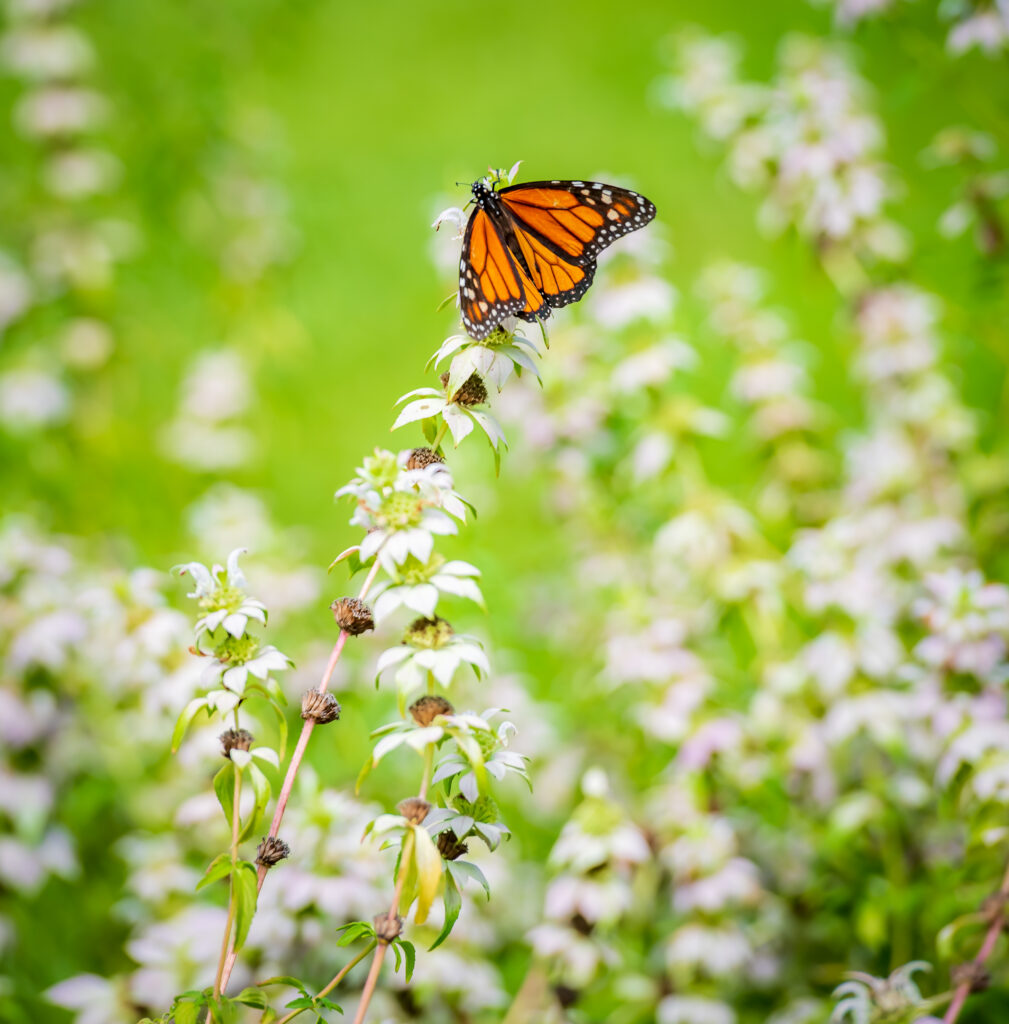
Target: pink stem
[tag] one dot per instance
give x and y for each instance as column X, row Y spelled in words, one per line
column 299, row 753
column 369, row 985
column 987, row 947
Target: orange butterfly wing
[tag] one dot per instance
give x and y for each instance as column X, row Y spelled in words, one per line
column 491, row 284
column 559, row 282
column 575, row 220
column 534, row 247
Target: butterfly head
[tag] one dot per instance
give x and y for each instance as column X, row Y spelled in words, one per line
column 482, row 192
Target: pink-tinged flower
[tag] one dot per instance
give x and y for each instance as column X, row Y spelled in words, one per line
column 987, row 30
column 696, row 948
column 92, row 999
column 968, row 622
column 708, row 739
column 684, row 1009
column 736, row 883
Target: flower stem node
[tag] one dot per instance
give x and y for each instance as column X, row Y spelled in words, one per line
column 994, row 906
column 427, row 708
column 970, row 973
column 430, row 634
column 272, row 850
column 352, row 615
column 319, row 707
column 472, row 391
column 414, row 809
column 421, row 458
column 388, row 929
column 235, row 739
column 450, row 846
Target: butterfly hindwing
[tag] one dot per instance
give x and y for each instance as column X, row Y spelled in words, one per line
column 575, row 219
column 557, row 280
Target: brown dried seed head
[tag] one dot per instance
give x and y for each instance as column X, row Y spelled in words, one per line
column 414, row 809
column 426, row 709
column 387, row 930
column 970, row 973
column 352, row 615
column 420, row 458
column 472, row 391
column 320, row 707
column 235, row 739
column 271, row 851
column 450, row 846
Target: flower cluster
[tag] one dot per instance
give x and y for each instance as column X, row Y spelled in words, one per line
column 808, row 141
column 73, row 244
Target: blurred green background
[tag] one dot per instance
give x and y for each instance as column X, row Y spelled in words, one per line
column 376, row 113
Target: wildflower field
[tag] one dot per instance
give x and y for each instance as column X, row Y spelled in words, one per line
column 646, row 663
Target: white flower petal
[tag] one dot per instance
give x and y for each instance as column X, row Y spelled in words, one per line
column 422, row 598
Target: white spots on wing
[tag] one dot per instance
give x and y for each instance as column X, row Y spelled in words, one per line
column 613, row 215
column 483, row 306
column 578, row 184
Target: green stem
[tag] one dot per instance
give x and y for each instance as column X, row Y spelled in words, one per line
column 235, row 830
column 340, row 975
column 440, row 436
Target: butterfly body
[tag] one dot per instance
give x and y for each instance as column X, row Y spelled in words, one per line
column 532, row 247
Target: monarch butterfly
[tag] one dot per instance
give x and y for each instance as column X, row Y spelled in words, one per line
column 532, row 247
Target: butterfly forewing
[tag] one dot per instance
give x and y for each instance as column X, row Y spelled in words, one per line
column 576, row 219
column 490, row 287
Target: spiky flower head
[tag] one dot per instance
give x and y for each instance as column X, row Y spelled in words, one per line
column 414, row 809
column 388, row 929
column 472, row 391
column 429, row 634
column 450, row 846
column 427, row 708
column 235, row 739
column 272, row 850
column 421, row 458
column 352, row 615
column 320, row 707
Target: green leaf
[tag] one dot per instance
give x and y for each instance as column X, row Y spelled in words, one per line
column 286, row 979
column 252, row 997
column 189, row 712
column 945, row 939
column 363, row 774
column 353, row 931
column 220, row 867
column 304, row 1003
column 186, row 1013
column 244, row 883
column 409, row 957
column 263, row 790
column 327, row 1004
column 430, row 428
column 428, row 862
column 224, row 787
column 453, row 904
